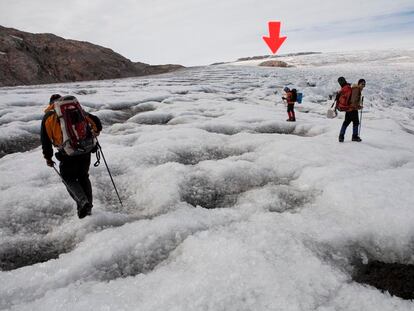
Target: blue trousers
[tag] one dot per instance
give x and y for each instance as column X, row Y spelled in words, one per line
column 350, row 116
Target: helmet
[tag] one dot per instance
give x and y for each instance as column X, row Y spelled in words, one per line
column 286, row 89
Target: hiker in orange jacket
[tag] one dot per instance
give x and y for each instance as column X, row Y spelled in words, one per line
column 74, row 169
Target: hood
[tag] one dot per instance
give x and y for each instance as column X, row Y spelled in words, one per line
column 50, row 107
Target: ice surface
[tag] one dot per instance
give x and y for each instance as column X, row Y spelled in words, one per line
column 226, row 205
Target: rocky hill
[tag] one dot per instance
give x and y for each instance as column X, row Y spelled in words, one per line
column 27, row 58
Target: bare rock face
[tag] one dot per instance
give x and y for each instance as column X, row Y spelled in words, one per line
column 274, row 63
column 27, row 58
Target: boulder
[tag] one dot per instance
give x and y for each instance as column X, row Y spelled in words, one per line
column 274, row 63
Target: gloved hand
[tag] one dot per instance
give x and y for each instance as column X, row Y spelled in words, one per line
column 94, row 149
column 50, row 162
column 283, row 98
column 96, row 134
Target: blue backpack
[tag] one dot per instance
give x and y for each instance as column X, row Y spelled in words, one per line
column 299, row 98
column 296, row 97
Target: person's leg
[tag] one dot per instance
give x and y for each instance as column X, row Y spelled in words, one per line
column 69, row 169
column 293, row 113
column 345, row 124
column 355, row 126
column 83, row 178
column 85, row 183
column 86, row 208
column 290, row 112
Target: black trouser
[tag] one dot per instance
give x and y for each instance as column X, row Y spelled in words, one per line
column 350, row 116
column 291, row 111
column 74, row 171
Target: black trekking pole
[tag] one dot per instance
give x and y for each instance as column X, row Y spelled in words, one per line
column 109, row 172
column 360, row 119
column 67, row 186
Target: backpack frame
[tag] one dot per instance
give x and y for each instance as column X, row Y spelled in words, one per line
column 294, row 95
column 77, row 135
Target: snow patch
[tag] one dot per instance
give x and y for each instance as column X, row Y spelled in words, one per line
column 151, row 118
column 17, row 38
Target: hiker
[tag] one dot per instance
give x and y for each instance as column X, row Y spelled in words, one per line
column 349, row 100
column 290, row 99
column 74, row 163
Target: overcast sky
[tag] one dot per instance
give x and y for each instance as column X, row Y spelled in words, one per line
column 199, row 32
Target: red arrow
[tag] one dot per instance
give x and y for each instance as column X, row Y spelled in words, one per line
column 274, row 41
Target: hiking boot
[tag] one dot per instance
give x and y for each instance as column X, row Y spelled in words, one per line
column 85, row 210
column 356, row 138
column 88, row 210
column 341, row 138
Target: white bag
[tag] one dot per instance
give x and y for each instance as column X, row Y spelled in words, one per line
column 331, row 113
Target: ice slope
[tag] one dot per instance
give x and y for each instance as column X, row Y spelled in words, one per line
column 226, row 205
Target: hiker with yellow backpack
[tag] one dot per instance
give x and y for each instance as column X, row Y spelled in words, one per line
column 73, row 132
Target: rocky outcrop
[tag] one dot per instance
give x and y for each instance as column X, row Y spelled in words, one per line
column 273, row 63
column 27, row 58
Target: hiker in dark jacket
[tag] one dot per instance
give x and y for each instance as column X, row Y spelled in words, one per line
column 353, row 100
column 289, row 97
column 73, row 169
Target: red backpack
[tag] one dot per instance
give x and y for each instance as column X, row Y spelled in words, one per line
column 77, row 136
column 344, row 99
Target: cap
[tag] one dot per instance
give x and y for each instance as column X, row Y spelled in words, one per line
column 54, row 97
column 342, row 81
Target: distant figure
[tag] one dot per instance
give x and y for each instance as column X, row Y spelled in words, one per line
column 72, row 131
column 349, row 100
column 290, row 98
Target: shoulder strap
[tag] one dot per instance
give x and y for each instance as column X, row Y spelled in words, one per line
column 49, row 113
